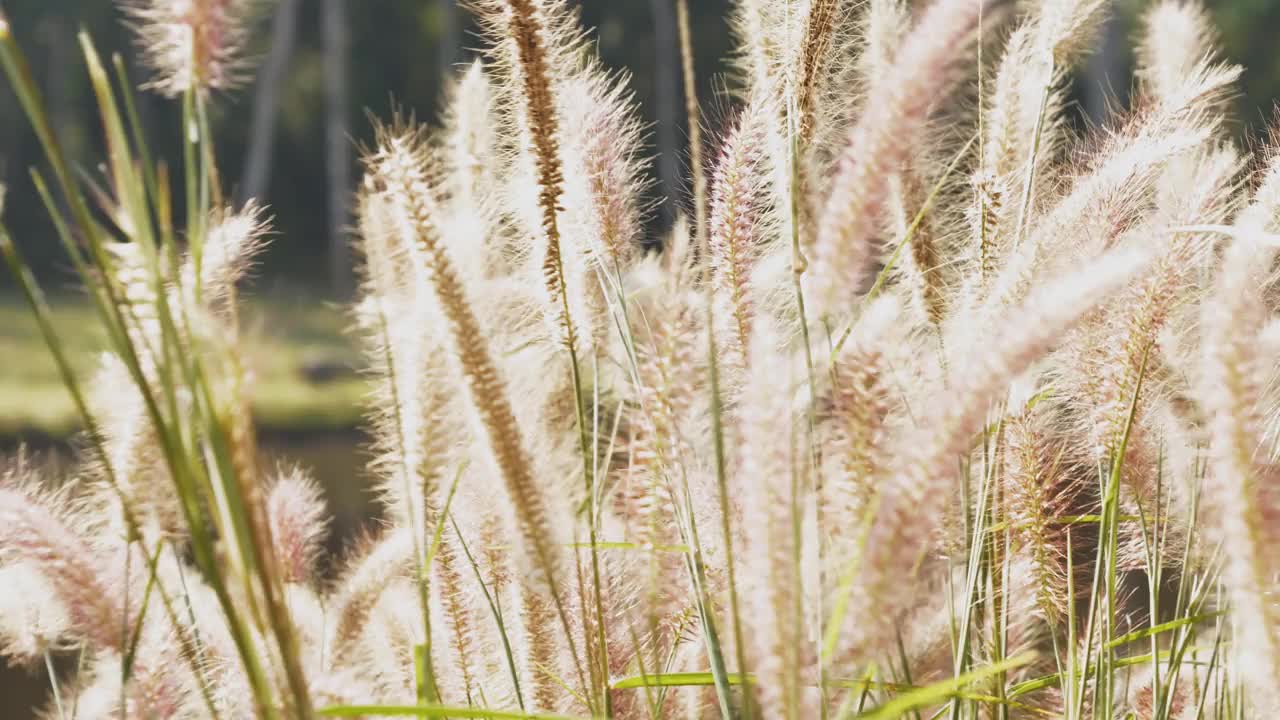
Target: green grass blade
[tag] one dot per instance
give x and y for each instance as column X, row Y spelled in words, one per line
column 496, row 610
column 677, row 679
column 925, row 207
column 722, row 495
column 1164, row 627
column 435, row 711
column 136, row 633
column 945, row 690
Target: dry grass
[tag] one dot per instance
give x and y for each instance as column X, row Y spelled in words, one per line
column 931, row 408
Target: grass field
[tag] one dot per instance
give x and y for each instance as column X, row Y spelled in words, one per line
column 305, row 337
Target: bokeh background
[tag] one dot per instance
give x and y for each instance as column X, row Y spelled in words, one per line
column 291, row 137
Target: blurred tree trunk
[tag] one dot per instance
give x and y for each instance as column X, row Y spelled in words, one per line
column 257, row 163
column 1106, row 75
column 666, row 87
column 449, row 44
column 337, row 150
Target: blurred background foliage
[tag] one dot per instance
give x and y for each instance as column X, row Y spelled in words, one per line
column 397, row 53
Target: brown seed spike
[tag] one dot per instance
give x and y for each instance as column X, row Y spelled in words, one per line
column 527, row 29
column 398, row 162
column 817, row 40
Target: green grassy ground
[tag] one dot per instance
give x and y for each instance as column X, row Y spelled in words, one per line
column 286, row 336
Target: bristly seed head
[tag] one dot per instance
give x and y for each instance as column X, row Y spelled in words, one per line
column 193, row 45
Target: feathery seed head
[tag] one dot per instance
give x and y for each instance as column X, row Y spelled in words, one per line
column 405, row 333
column 741, row 225
column 193, row 45
column 924, row 68
column 398, row 169
column 142, row 484
column 474, row 165
column 536, row 57
column 824, row 64
column 1117, row 352
column 35, row 531
column 378, row 565
column 764, row 31
column 1263, row 210
column 1242, row 489
column 33, row 619
column 230, row 244
column 884, row 26
column 1178, row 37
column 915, row 487
column 297, row 513
column 1066, row 28
column 1039, row 488
column 855, row 418
column 601, row 208
column 772, row 483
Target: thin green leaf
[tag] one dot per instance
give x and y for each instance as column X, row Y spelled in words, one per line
column 434, row 711
column 941, row 691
